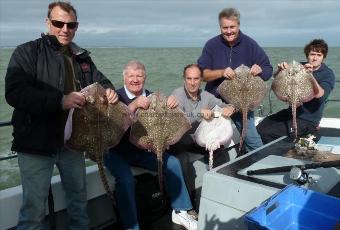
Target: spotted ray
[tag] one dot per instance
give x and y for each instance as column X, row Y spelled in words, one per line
column 294, row 86
column 245, row 92
column 158, row 127
column 213, row 133
column 98, row 126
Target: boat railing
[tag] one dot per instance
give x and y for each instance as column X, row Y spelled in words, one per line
column 12, row 154
column 50, row 198
column 260, row 112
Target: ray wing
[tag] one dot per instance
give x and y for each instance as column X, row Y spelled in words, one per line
column 294, row 86
column 245, row 92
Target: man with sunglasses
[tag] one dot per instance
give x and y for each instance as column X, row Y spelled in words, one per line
column 43, row 81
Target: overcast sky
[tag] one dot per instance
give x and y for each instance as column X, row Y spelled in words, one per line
column 176, row 23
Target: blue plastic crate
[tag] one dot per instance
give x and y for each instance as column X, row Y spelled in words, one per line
column 296, row 208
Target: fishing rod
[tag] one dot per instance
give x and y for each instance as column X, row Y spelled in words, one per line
column 296, row 172
column 326, row 164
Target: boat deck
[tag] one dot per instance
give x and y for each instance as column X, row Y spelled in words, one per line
column 229, row 193
column 101, row 210
column 280, row 148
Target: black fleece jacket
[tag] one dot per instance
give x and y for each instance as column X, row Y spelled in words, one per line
column 34, row 86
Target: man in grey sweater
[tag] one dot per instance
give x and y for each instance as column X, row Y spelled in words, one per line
column 197, row 104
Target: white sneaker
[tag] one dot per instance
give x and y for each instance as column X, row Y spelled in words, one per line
column 184, row 219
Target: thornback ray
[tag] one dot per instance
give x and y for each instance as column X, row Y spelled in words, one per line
column 213, row 133
column 295, row 86
column 245, row 92
column 98, row 126
column 158, row 127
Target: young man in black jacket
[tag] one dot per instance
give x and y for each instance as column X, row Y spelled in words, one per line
column 42, row 83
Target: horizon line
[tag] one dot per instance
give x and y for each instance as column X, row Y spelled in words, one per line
column 150, row 47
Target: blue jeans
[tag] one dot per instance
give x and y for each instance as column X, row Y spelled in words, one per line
column 252, row 139
column 36, row 172
column 119, row 165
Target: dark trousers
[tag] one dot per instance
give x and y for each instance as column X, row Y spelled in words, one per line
column 280, row 124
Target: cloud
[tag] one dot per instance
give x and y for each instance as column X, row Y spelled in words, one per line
column 176, row 22
column 137, row 29
column 96, row 30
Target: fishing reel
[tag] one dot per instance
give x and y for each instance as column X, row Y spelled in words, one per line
column 300, row 176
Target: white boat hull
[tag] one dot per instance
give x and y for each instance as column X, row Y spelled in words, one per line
column 100, row 210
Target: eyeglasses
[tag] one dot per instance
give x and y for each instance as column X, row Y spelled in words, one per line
column 60, row 24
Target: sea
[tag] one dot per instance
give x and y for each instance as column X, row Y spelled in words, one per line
column 164, row 68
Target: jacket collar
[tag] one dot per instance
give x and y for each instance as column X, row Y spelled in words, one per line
column 238, row 40
column 53, row 42
column 189, row 97
column 131, row 95
column 321, row 68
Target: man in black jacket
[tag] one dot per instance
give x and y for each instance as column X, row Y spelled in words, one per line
column 42, row 83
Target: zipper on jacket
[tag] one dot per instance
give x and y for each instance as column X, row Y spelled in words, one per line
column 62, row 67
column 231, row 52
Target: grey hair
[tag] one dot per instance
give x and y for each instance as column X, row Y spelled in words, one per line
column 230, row 13
column 134, row 64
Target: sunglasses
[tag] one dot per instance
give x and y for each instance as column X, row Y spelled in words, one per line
column 60, row 24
